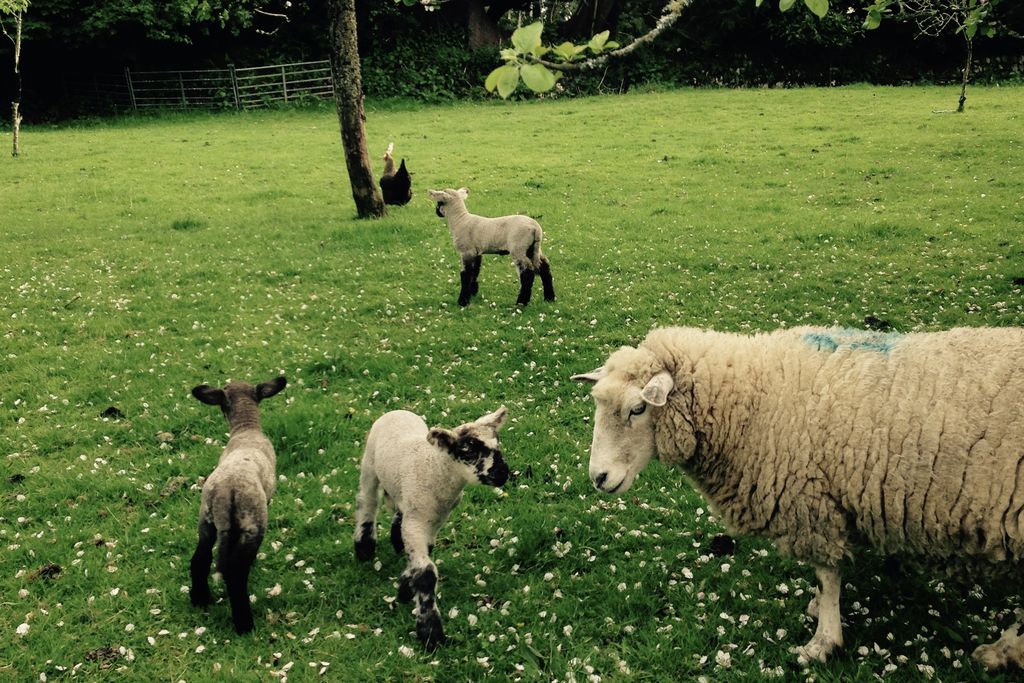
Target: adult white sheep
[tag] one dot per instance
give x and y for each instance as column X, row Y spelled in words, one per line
column 233, row 511
column 517, row 236
column 824, row 439
column 422, row 473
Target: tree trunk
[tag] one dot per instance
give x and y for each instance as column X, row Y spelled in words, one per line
column 591, row 17
column 967, row 73
column 16, row 100
column 348, row 95
column 483, row 31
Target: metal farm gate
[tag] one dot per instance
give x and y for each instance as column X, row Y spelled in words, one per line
column 230, row 88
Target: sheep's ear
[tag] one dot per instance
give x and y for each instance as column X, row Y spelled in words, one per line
column 268, row 389
column 494, row 420
column 462, row 192
column 211, row 396
column 436, row 195
column 657, row 390
column 442, row 438
column 591, row 377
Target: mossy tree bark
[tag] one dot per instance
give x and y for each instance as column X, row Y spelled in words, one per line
column 967, row 72
column 348, row 95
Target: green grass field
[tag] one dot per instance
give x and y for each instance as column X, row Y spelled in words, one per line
column 146, row 256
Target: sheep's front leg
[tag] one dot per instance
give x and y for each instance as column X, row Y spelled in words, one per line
column 366, row 512
column 829, row 634
column 466, row 276
column 475, row 282
column 200, row 566
column 419, row 581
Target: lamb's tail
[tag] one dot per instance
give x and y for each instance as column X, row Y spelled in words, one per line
column 240, row 521
column 533, row 251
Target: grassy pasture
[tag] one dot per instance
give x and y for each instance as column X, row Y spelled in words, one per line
column 145, row 256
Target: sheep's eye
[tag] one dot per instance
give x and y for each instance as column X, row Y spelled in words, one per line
column 638, row 409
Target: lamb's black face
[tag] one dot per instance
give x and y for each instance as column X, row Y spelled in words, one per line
column 439, row 210
column 485, row 459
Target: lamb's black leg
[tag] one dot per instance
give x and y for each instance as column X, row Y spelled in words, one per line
column 366, row 544
column 476, row 274
column 236, row 577
column 545, row 278
column 428, row 619
column 200, row 566
column 466, row 277
column 526, row 277
column 396, row 533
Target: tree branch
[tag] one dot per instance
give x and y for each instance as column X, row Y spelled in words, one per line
column 672, row 11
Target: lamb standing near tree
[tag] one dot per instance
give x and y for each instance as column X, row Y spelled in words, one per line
column 824, row 439
column 422, row 473
column 517, row 236
column 233, row 511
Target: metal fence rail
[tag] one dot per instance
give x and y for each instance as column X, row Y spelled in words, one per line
column 243, row 88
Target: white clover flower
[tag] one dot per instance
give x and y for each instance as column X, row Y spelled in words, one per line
column 22, row 629
column 723, row 659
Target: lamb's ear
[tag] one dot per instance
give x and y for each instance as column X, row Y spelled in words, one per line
column 591, row 377
column 657, row 390
column 268, row 389
column 436, row 195
column 462, row 192
column 494, row 420
column 211, row 396
column 442, row 438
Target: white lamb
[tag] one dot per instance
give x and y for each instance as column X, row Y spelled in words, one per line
column 824, row 439
column 422, row 473
column 233, row 511
column 517, row 236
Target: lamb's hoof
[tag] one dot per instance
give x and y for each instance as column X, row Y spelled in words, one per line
column 817, row 649
column 463, row 303
column 430, row 632
column 200, row 596
column 243, row 624
column 1008, row 650
column 405, row 591
column 365, row 548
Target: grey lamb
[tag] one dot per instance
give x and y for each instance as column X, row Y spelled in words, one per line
column 517, row 236
column 233, row 511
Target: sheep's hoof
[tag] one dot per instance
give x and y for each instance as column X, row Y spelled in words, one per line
column 463, row 302
column 1008, row 650
column 405, row 591
column 365, row 548
column 818, row 648
column 200, row 596
column 430, row 632
column 243, row 624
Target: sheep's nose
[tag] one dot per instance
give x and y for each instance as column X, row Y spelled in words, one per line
column 600, row 479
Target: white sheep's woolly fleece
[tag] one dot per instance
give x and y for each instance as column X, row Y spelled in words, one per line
column 825, row 438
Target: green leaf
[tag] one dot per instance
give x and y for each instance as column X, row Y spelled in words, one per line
column 819, row 7
column 786, row 5
column 971, row 30
column 566, row 50
column 611, row 45
column 537, row 77
column 504, row 79
column 527, row 38
column 758, row 3
column 596, row 43
column 873, row 20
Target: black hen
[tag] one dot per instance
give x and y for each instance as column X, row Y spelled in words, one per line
column 396, row 186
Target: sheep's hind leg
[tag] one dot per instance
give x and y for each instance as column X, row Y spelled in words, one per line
column 545, row 277
column 829, row 634
column 396, row 533
column 526, row 276
column 1006, row 652
column 236, row 564
column 200, row 566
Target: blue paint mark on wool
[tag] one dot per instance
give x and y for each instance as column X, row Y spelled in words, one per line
column 856, row 340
